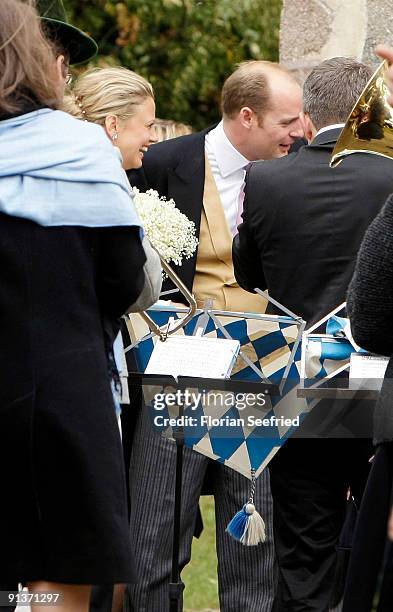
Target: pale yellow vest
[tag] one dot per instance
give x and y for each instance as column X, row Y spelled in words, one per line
column 214, row 276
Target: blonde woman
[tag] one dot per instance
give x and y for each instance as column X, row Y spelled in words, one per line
column 168, row 128
column 122, row 102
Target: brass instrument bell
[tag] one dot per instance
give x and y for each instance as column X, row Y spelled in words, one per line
column 369, row 127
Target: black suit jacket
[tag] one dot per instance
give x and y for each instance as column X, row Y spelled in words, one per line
column 303, row 223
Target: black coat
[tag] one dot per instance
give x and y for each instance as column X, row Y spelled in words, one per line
column 303, row 223
column 370, row 308
column 63, row 514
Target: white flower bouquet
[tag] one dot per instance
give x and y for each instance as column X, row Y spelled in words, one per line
column 170, row 231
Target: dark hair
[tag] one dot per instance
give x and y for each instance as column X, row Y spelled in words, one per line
column 249, row 86
column 332, row 88
column 27, row 60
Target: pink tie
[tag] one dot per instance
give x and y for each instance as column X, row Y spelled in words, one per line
column 240, row 202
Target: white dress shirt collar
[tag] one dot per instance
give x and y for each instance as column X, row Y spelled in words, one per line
column 228, row 158
column 334, row 126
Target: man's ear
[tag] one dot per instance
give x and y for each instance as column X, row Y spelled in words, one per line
column 308, row 126
column 246, row 117
column 111, row 125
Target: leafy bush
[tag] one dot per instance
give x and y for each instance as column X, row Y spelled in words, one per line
column 185, row 48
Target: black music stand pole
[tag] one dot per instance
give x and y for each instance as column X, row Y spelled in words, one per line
column 176, row 586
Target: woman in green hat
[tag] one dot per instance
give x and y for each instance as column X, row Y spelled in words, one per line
column 79, row 46
column 72, row 263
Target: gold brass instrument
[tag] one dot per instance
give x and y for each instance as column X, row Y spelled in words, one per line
column 369, row 127
column 187, row 294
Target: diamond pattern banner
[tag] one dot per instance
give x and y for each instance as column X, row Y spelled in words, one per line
column 242, row 430
column 325, row 354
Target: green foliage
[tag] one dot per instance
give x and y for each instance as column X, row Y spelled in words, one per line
column 186, row 48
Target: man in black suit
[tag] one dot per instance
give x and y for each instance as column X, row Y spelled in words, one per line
column 204, row 173
column 299, row 239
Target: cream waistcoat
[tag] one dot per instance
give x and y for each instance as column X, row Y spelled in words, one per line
column 214, row 276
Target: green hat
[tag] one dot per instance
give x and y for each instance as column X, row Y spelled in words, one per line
column 79, row 45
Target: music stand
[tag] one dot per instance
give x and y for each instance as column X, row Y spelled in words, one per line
column 202, row 321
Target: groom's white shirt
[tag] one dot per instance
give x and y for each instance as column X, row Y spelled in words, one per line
column 228, row 168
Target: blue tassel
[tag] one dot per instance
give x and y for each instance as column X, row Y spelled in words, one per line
column 238, row 525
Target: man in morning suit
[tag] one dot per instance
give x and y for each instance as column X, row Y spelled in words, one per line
column 204, row 173
column 299, row 239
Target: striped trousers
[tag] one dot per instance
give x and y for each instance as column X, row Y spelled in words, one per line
column 246, row 575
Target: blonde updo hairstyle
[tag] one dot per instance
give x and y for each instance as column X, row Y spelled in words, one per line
column 100, row 92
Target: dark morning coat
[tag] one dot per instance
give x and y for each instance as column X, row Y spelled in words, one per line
column 303, row 223
column 63, row 514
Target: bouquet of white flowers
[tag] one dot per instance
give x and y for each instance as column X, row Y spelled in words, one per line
column 170, row 232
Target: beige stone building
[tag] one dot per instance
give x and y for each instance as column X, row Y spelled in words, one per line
column 314, row 30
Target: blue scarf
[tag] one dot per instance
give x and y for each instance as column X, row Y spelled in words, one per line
column 56, row 170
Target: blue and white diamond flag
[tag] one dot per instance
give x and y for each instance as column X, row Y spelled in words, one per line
column 324, row 355
column 242, row 432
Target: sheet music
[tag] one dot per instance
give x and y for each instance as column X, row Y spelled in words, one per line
column 367, row 366
column 367, row 371
column 192, row 356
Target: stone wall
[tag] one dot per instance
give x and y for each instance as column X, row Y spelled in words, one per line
column 314, row 30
